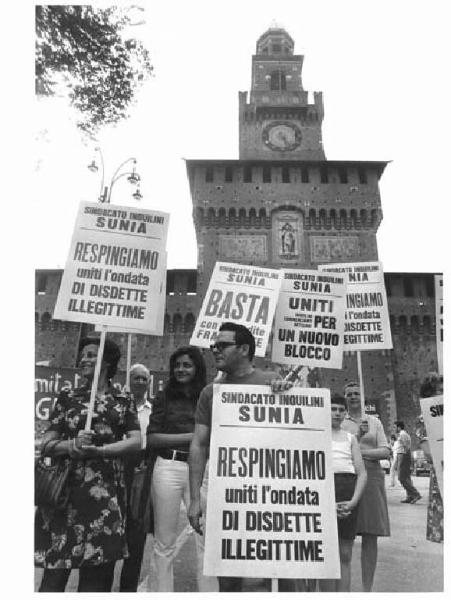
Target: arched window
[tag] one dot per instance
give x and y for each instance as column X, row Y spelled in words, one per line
column 343, row 217
column 167, row 323
column 278, row 80
column 45, row 320
column 211, row 215
column 333, row 217
column 222, row 216
column 414, row 324
column 190, row 321
column 177, row 323
column 403, row 324
column 312, row 216
column 364, row 217
column 427, row 324
column 266, row 174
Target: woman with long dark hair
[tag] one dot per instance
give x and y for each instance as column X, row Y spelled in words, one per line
column 169, row 434
column 89, row 533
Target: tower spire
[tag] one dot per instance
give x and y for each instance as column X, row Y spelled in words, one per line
column 278, row 122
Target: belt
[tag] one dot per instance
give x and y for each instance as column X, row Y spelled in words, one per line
column 173, row 454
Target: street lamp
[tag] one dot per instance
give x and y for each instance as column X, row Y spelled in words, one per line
column 105, row 190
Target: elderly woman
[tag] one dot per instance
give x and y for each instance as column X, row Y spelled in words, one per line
column 89, row 533
column 136, row 533
column 372, row 515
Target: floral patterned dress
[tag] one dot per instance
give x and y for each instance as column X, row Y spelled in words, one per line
column 90, row 531
column 434, row 522
column 434, row 528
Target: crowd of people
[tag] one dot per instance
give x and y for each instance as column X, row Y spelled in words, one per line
column 166, row 441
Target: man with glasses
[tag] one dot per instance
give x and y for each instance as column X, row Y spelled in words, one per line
column 233, row 351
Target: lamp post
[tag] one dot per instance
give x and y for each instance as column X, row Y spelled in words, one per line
column 106, row 190
column 105, row 198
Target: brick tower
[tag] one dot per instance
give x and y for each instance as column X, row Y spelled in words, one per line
column 282, row 204
column 279, row 123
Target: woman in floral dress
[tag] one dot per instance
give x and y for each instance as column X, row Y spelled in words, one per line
column 89, row 534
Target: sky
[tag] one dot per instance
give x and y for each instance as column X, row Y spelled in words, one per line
column 381, row 67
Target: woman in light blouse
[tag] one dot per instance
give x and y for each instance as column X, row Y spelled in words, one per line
column 372, row 516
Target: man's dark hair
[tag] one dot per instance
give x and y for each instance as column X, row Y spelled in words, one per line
column 399, row 424
column 242, row 336
column 111, row 353
column 350, row 384
column 338, row 399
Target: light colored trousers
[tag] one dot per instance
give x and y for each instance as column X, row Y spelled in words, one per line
column 393, row 471
column 170, row 486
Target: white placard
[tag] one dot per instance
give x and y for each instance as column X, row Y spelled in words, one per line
column 242, row 294
column 438, row 280
column 309, row 320
column 115, row 268
column 432, row 411
column 159, row 327
column 271, row 502
column 367, row 321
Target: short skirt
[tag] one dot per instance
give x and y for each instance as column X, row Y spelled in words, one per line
column 372, row 513
column 344, row 490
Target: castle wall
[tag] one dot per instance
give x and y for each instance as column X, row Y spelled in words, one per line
column 392, row 378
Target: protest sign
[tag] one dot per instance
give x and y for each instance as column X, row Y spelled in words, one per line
column 241, row 294
column 432, row 411
column 438, row 279
column 367, row 322
column 309, row 320
column 271, row 502
column 159, row 326
column 115, row 267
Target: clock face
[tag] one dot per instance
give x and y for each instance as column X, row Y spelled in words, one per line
column 281, row 136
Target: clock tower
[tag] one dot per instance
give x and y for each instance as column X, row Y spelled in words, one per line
column 279, row 121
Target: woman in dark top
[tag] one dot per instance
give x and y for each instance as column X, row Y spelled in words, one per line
column 169, row 433
column 89, row 533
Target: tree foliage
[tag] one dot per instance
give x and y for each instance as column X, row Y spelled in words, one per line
column 83, row 52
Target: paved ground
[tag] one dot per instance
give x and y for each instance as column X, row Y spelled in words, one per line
column 407, row 561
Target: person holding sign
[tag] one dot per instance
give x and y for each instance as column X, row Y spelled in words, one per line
column 169, row 433
column 233, row 351
column 431, row 386
column 350, row 480
column 89, row 534
column 372, row 514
